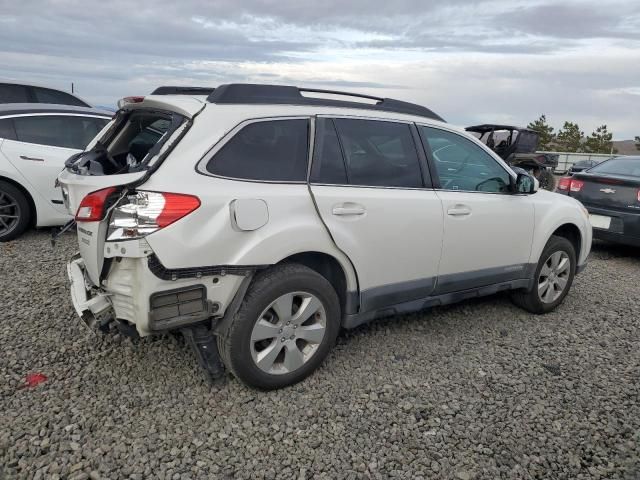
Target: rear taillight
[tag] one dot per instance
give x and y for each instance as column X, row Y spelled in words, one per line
column 564, row 183
column 141, row 213
column 576, row 185
column 127, row 100
column 638, row 195
column 91, row 208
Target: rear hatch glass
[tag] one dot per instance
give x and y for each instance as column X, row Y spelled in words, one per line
column 133, row 141
column 127, row 152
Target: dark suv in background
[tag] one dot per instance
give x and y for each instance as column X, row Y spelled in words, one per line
column 21, row 93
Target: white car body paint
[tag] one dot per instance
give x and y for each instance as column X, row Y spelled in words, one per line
column 379, row 236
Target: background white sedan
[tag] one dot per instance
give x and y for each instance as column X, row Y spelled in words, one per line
column 35, row 141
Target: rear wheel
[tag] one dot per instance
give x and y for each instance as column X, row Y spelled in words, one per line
column 554, row 276
column 285, row 327
column 15, row 212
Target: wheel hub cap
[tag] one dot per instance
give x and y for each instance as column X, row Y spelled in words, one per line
column 288, row 333
column 553, row 277
column 9, row 213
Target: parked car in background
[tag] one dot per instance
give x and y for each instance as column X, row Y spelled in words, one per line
column 24, row 93
column 35, row 142
column 265, row 218
column 583, row 165
column 611, row 193
column 518, row 147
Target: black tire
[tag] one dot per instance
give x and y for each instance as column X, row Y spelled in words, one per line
column 530, row 300
column 547, row 180
column 9, row 194
column 235, row 343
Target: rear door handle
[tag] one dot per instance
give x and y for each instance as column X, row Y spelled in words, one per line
column 459, row 211
column 344, row 209
column 33, row 159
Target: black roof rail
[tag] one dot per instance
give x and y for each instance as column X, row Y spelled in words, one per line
column 247, row 93
column 169, row 90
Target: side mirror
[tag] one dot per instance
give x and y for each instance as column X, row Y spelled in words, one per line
column 526, row 183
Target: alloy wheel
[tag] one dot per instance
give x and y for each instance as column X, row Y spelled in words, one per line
column 9, row 213
column 554, row 276
column 288, row 333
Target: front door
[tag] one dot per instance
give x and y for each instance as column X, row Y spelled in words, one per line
column 370, row 188
column 488, row 231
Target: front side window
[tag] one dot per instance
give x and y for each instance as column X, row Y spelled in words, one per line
column 57, row 130
column 270, row 150
column 463, row 165
column 378, row 153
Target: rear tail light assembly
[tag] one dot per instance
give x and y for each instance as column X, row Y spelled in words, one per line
column 576, row 185
column 564, row 183
column 140, row 213
column 638, row 195
column 92, row 207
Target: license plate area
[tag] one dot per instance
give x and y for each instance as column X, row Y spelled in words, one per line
column 600, row 221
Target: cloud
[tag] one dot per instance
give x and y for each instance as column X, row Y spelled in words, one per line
column 470, row 61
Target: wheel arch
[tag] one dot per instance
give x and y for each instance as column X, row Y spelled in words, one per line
column 334, row 271
column 33, row 219
column 571, row 232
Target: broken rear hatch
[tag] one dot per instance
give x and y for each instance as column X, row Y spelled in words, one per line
column 125, row 154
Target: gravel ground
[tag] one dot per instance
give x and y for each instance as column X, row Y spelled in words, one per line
column 480, row 390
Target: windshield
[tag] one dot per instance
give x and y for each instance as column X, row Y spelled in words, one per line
column 129, row 144
column 619, row 166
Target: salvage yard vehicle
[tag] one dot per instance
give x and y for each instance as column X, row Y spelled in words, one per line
column 518, row 147
column 611, row 193
column 35, row 141
column 260, row 219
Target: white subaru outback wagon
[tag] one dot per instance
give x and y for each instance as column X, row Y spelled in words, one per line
column 260, row 219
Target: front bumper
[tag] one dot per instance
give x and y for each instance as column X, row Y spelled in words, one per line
column 131, row 292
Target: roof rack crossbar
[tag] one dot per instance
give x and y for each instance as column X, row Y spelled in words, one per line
column 254, row 94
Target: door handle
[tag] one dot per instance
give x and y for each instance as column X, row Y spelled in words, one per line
column 459, row 211
column 348, row 209
column 33, row 159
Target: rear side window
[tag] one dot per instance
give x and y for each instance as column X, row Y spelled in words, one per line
column 47, row 95
column 379, row 153
column 10, row 93
column 58, row 130
column 273, row 150
column 6, row 129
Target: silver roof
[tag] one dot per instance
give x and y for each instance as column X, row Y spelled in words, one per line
column 8, row 109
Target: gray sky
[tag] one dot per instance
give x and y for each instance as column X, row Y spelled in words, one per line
column 470, row 61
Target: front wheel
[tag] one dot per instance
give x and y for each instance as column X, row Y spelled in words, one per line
column 285, row 327
column 553, row 277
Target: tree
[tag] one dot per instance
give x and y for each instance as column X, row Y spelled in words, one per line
column 544, row 130
column 569, row 138
column 599, row 141
column 638, row 143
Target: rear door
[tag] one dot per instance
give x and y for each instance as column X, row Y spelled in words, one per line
column 488, row 231
column 372, row 191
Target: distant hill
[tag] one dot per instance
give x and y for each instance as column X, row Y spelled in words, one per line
column 626, row 147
